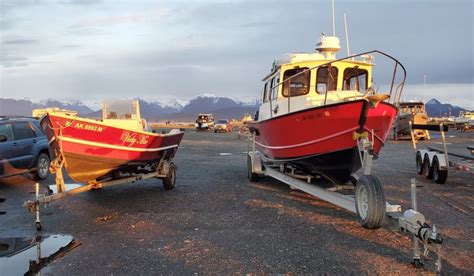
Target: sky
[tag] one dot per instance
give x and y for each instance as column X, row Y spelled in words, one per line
column 160, row 50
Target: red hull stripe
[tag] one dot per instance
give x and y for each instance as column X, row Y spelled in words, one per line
column 310, row 142
column 96, row 144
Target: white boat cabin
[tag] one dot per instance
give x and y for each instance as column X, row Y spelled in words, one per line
column 304, row 80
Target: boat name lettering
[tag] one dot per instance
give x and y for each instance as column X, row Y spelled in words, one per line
column 134, row 138
column 315, row 115
column 88, row 127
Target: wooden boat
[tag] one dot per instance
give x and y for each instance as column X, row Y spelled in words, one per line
column 315, row 108
column 415, row 113
column 120, row 142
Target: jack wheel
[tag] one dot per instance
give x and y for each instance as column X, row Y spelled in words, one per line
column 250, row 174
column 439, row 176
column 417, row 263
column 38, row 226
column 370, row 202
column 420, row 169
column 169, row 182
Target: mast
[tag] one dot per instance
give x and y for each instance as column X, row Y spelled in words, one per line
column 333, row 19
column 347, row 35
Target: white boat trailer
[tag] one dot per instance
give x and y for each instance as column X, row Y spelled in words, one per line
column 368, row 202
column 434, row 162
column 166, row 171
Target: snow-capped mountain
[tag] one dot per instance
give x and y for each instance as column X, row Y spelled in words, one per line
column 222, row 107
column 23, row 107
column 435, row 108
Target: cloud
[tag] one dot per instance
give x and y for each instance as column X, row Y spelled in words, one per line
column 13, row 61
column 20, row 41
column 81, row 2
column 135, row 17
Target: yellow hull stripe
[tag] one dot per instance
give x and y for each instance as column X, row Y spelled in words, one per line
column 102, row 145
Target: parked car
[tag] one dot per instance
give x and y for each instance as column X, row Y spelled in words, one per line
column 222, row 126
column 23, row 148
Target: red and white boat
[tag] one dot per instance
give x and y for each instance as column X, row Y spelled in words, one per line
column 120, row 142
column 315, row 107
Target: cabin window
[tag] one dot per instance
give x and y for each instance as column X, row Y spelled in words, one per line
column 121, row 109
column 265, row 93
column 274, row 86
column 298, row 85
column 355, row 79
column 326, row 79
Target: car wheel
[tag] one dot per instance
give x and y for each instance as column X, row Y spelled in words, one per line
column 42, row 167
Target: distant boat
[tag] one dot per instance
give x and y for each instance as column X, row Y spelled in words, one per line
column 465, row 120
column 120, row 142
column 415, row 113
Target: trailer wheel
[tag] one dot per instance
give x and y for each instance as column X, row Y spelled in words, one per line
column 370, row 202
column 420, row 169
column 250, row 174
column 169, row 182
column 427, row 168
column 439, row 176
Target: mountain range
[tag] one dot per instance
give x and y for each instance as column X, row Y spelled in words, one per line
column 435, row 108
column 221, row 107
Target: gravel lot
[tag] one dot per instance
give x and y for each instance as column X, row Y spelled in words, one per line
column 217, row 222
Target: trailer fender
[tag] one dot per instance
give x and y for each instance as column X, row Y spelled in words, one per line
column 441, row 159
column 256, row 162
column 424, row 154
column 431, row 154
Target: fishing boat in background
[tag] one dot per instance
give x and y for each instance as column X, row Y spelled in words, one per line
column 121, row 142
column 315, row 107
column 415, row 113
column 465, row 121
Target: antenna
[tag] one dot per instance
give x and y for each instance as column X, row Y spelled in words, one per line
column 424, row 84
column 333, row 19
column 347, row 35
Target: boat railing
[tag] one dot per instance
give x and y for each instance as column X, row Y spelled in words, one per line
column 395, row 92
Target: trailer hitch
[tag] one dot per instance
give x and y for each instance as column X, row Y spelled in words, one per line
column 413, row 222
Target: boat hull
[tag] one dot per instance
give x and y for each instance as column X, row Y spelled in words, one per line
column 312, row 138
column 93, row 150
column 379, row 123
column 320, row 140
column 402, row 125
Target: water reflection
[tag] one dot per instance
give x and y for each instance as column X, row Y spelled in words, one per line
column 26, row 256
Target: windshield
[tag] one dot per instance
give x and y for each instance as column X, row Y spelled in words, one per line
column 222, row 122
column 121, row 109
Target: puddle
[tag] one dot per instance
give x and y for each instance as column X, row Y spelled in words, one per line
column 54, row 190
column 26, row 256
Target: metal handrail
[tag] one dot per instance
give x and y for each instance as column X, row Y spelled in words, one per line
column 398, row 88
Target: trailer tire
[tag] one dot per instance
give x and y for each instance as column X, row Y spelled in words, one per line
column 169, row 182
column 370, row 202
column 439, row 176
column 420, row 169
column 427, row 168
column 250, row 174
